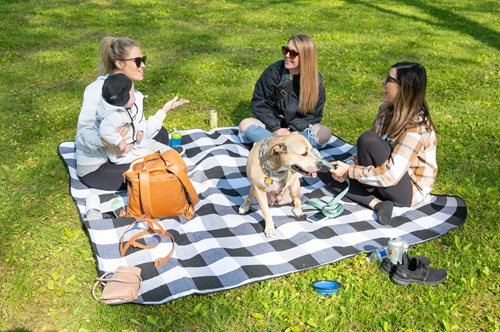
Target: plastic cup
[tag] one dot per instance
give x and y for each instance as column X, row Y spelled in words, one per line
column 175, row 139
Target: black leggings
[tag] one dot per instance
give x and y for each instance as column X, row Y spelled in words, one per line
column 373, row 151
column 110, row 176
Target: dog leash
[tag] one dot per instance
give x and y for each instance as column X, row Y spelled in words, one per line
column 331, row 209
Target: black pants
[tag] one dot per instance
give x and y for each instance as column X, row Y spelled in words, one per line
column 373, row 151
column 110, row 176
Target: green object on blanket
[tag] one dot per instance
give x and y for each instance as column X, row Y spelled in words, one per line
column 331, row 209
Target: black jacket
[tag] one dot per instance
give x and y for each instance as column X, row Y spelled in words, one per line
column 275, row 100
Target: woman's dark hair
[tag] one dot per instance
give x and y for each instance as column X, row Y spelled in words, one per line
column 413, row 84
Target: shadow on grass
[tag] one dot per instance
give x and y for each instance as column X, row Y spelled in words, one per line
column 445, row 19
column 241, row 111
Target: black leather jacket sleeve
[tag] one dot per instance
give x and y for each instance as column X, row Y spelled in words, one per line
column 263, row 104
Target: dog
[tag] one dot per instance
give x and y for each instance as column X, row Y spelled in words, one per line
column 274, row 168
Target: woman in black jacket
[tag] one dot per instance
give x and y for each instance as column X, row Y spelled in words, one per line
column 289, row 96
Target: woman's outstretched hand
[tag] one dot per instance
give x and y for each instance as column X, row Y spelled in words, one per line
column 340, row 172
column 173, row 104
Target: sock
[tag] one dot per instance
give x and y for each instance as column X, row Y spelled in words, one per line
column 384, row 212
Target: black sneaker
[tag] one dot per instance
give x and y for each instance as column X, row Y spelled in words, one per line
column 387, row 265
column 179, row 149
column 416, row 272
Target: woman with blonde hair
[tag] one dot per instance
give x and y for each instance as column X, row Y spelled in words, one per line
column 289, row 96
column 396, row 161
column 118, row 55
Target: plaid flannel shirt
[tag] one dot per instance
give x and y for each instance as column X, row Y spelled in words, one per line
column 413, row 152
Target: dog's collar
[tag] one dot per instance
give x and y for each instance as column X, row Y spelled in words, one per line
column 265, row 165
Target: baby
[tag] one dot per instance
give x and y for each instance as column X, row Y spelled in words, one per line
column 116, row 109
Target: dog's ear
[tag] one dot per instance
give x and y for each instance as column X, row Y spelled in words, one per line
column 279, row 148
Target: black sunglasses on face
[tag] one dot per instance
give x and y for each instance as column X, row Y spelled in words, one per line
column 285, row 50
column 389, row 78
column 138, row 60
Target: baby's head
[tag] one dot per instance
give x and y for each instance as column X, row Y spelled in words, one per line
column 118, row 90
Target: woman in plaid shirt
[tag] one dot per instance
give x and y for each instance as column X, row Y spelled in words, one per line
column 396, row 161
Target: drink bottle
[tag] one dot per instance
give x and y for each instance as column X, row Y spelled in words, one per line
column 395, row 250
column 118, row 207
column 213, row 119
column 175, row 139
column 378, row 255
column 93, row 207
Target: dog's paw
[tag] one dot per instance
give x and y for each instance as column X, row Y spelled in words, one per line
column 270, row 231
column 297, row 211
column 243, row 209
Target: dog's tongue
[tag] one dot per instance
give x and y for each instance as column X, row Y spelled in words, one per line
column 314, row 174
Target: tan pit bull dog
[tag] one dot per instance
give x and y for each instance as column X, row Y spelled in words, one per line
column 274, row 167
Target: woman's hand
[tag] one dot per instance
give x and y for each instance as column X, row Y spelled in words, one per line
column 124, row 131
column 140, row 135
column 340, row 172
column 173, row 104
column 281, row 132
column 122, row 147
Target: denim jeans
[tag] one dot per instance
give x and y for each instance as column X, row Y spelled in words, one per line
column 255, row 133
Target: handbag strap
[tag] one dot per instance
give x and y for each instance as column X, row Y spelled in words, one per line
column 99, row 281
column 193, row 195
column 145, row 192
column 153, row 227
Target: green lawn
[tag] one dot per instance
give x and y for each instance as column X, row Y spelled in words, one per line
column 212, row 52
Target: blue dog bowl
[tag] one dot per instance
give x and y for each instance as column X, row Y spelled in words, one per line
column 326, row 287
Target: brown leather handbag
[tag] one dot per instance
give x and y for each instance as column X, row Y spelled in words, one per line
column 158, row 186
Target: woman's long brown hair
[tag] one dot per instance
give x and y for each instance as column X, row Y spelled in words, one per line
column 413, row 79
column 308, row 72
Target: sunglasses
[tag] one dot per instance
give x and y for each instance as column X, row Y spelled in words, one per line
column 389, row 78
column 285, row 50
column 138, row 60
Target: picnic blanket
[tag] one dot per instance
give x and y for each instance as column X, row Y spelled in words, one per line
column 220, row 249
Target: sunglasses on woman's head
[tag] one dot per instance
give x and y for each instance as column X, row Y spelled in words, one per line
column 389, row 78
column 138, row 60
column 285, row 50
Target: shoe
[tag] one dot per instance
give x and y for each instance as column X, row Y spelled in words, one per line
column 416, row 272
column 179, row 149
column 387, row 265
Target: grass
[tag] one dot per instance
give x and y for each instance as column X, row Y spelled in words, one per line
column 212, row 52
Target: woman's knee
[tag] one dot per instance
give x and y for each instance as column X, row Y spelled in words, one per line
column 245, row 123
column 322, row 133
column 162, row 136
column 367, row 140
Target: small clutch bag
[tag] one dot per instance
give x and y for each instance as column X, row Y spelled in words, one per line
column 123, row 285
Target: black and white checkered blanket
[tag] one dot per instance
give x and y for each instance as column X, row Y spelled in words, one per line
column 220, row 249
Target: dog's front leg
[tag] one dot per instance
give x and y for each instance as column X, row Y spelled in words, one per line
column 248, row 201
column 295, row 195
column 261, row 197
